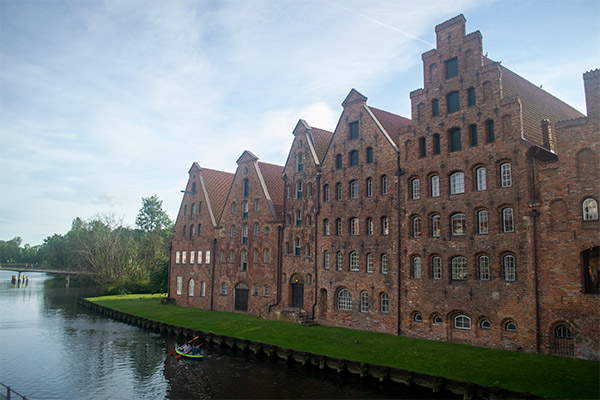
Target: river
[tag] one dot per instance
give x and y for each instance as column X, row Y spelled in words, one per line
column 52, row 349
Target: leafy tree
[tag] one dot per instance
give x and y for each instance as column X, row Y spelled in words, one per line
column 152, row 217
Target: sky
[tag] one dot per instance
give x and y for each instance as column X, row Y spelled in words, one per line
column 103, row 103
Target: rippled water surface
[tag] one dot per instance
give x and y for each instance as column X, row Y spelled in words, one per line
column 52, row 349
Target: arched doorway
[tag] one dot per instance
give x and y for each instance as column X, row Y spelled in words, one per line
column 240, row 302
column 562, row 341
column 297, row 284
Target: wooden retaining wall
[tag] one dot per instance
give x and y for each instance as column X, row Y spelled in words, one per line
column 364, row 370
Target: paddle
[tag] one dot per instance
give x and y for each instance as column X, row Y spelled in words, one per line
column 173, row 352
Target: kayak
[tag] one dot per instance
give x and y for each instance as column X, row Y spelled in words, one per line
column 181, row 353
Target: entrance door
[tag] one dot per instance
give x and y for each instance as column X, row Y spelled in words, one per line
column 298, row 295
column 241, row 297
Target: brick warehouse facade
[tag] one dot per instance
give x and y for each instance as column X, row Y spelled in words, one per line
column 475, row 221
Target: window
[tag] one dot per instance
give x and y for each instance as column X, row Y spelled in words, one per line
column 369, row 187
column 482, row 222
column 354, row 189
column 298, row 218
column 179, row 285
column 590, row 209
column 436, row 226
column 437, row 320
column 353, row 158
column 231, row 256
column 338, row 191
column 308, row 220
column 457, row 183
column 473, row 135
column 193, row 210
column 338, row 227
column 417, row 317
column 510, row 326
column 415, row 188
column 370, row 265
column 203, row 289
column 184, row 230
column 192, row 230
column 183, row 257
column 415, row 227
column 455, row 142
column 384, row 263
column 451, row 67
column 307, row 250
column 483, row 265
column 232, row 233
column 299, row 189
column 244, row 260
column 245, row 209
column 459, row 268
column 489, row 131
column 299, row 162
column 221, row 254
column 354, row 226
column 289, row 191
column 364, row 301
column 422, row 147
column 309, row 189
column 453, row 102
column 436, row 143
column 384, row 303
column 384, row 184
column 354, row 130
column 266, row 256
column 177, row 257
column 435, row 108
column 245, row 187
column 505, row 175
column 417, row 264
column 485, row 324
column 481, row 181
column 199, row 207
column 385, row 226
column 326, row 193
column 326, row 259
column 434, row 183
column 370, row 226
column 459, row 224
column 326, row 231
column 265, row 291
column 224, row 289
column 508, row 220
column 462, row 322
column 436, row 267
column 369, row 155
column 244, row 234
column 297, row 248
column 354, row 261
column 471, row 99
column 192, row 254
column 256, row 229
column 233, row 208
column 199, row 229
column 562, row 341
column 254, row 290
column 338, row 161
column 510, row 268
column 344, row 300
column 339, row 259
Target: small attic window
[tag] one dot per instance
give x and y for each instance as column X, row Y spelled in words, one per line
column 245, row 170
column 451, row 67
column 300, row 143
column 354, row 130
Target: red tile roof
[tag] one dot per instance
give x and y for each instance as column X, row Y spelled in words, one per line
column 537, row 105
column 273, row 176
column 321, row 139
column 217, row 187
column 392, row 123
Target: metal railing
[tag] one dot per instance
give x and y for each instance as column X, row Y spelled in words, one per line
column 7, row 393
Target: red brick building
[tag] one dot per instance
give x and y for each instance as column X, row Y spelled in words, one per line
column 475, row 221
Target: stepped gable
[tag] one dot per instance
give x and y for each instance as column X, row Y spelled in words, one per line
column 273, row 176
column 217, row 184
column 537, row 105
column 392, row 123
column 321, row 139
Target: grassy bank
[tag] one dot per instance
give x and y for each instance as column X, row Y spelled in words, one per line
column 546, row 376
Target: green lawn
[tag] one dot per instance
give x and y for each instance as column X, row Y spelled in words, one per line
column 542, row 375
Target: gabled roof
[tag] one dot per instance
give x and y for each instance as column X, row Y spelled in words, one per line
column 537, row 105
column 216, row 185
column 273, row 178
column 354, row 97
column 321, row 139
column 392, row 123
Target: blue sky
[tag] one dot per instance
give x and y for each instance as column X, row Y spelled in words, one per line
column 105, row 102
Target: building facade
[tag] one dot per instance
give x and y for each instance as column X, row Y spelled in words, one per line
column 474, row 221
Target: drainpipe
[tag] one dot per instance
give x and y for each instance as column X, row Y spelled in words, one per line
column 399, row 174
column 169, row 266
column 534, row 214
column 212, row 275
column 316, row 255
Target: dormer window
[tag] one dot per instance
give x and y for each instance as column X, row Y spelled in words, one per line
column 451, row 67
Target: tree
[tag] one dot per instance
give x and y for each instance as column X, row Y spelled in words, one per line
column 152, row 217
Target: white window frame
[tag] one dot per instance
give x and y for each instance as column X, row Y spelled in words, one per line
column 483, row 266
column 505, row 175
column 509, row 264
column 364, row 301
column 344, row 300
column 589, row 209
column 462, row 322
column 508, row 220
column 354, row 261
column 481, row 179
column 459, row 268
column 457, row 182
column 354, row 189
column 179, row 289
column 415, row 186
column 436, row 267
column 435, row 186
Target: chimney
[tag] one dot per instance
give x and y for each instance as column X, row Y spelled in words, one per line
column 591, row 83
column 547, row 137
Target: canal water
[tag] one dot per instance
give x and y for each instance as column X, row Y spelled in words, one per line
column 50, row 348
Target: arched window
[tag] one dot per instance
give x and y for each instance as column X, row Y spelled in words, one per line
column 385, row 226
column 344, row 300
column 422, row 147
column 369, row 187
column 459, row 268
column 436, row 230
column 436, row 267
column 299, row 162
column 354, row 189
column 485, row 324
column 415, row 227
column 338, row 161
column 338, row 227
column 505, row 175
column 415, row 188
column 482, row 222
column 510, row 268
column 326, row 231
column 354, row 226
column 326, row 259
column 299, row 189
column 459, row 224
column 457, row 182
column 417, row 317
column 339, row 261
column 508, row 220
column 481, row 179
column 245, row 188
column 353, row 158
column 384, row 185
column 233, row 207
column 384, row 263
column 191, row 288
column 297, row 247
column 244, row 260
column 473, row 134
column 370, row 265
column 384, row 303
column 353, row 130
column 563, row 341
column 245, row 209
column 364, row 301
column 326, row 193
column 483, row 265
column 434, row 184
column 437, row 320
column 370, row 226
column 244, row 234
column 416, row 267
column 338, row 191
column 510, row 326
column 354, row 261
column 590, row 209
column 462, row 322
column 192, row 230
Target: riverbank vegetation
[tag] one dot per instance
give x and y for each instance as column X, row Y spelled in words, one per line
column 117, row 258
column 546, row 376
